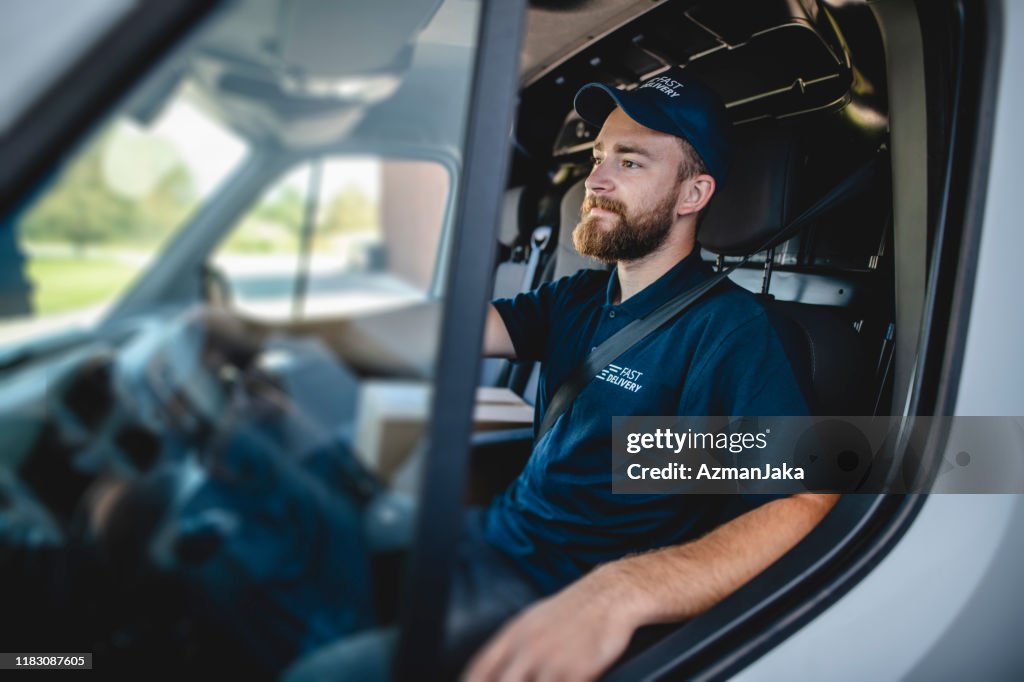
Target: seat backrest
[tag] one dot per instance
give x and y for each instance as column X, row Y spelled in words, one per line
column 508, row 277
column 831, row 354
column 567, row 259
column 764, row 193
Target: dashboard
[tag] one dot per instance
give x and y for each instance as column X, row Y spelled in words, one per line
column 192, row 483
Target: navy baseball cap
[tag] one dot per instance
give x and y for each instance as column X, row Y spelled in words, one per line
column 675, row 103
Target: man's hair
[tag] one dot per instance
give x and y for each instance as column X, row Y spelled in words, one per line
column 691, row 164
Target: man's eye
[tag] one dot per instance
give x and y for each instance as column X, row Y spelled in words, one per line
column 596, row 161
column 626, row 163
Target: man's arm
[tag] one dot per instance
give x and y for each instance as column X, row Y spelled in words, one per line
column 578, row 632
column 497, row 342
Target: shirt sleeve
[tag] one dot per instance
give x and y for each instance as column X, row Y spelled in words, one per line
column 529, row 316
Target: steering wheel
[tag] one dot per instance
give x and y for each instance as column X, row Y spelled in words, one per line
column 253, row 497
column 178, row 375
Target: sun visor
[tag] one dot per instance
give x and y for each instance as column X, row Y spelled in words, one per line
column 311, row 30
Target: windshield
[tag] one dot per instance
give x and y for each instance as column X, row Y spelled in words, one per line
column 87, row 236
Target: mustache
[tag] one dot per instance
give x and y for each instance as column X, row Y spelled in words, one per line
column 603, row 203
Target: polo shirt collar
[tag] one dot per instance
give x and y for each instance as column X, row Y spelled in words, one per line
column 684, row 275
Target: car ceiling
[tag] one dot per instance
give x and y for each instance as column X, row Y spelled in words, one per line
column 274, row 73
column 556, row 29
column 765, row 58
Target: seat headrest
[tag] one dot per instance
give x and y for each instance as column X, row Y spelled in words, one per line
column 762, row 194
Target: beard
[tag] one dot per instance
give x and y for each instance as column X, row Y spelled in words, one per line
column 633, row 236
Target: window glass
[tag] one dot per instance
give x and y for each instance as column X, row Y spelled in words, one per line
column 336, row 237
column 108, row 213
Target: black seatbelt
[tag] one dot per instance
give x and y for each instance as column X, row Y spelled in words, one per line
column 624, row 339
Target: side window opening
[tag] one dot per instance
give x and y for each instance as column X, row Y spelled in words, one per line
column 338, row 236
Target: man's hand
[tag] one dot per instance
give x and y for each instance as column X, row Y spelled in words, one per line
column 573, row 635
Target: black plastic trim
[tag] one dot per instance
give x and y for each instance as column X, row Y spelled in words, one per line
column 481, row 190
column 972, row 150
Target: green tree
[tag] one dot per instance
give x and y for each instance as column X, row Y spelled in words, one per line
column 168, row 204
column 80, row 209
column 284, row 207
column 351, row 210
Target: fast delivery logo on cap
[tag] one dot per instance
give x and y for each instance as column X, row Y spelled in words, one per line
column 699, row 116
column 663, row 84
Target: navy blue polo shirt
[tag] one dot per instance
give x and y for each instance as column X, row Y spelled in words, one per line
column 721, row 357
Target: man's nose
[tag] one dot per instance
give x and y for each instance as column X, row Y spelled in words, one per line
column 599, row 181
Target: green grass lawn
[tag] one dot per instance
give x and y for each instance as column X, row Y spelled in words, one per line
column 66, row 283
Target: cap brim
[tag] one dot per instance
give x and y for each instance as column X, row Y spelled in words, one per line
column 595, row 101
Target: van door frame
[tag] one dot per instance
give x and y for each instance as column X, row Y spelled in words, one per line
column 486, row 154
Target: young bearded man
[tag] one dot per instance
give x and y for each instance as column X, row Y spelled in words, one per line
column 660, row 153
column 584, row 568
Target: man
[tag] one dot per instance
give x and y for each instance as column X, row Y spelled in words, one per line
column 660, row 153
column 584, row 568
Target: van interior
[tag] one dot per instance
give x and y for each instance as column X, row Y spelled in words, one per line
column 153, row 455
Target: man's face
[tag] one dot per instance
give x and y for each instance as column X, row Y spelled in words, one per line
column 632, row 192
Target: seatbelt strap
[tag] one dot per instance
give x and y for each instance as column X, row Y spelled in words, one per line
column 627, row 337
column 539, row 241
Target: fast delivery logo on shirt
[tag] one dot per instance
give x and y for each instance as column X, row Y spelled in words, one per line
column 623, row 377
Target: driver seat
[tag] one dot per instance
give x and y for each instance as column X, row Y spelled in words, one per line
column 766, row 191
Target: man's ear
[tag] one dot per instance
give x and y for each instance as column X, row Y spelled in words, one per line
column 695, row 194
